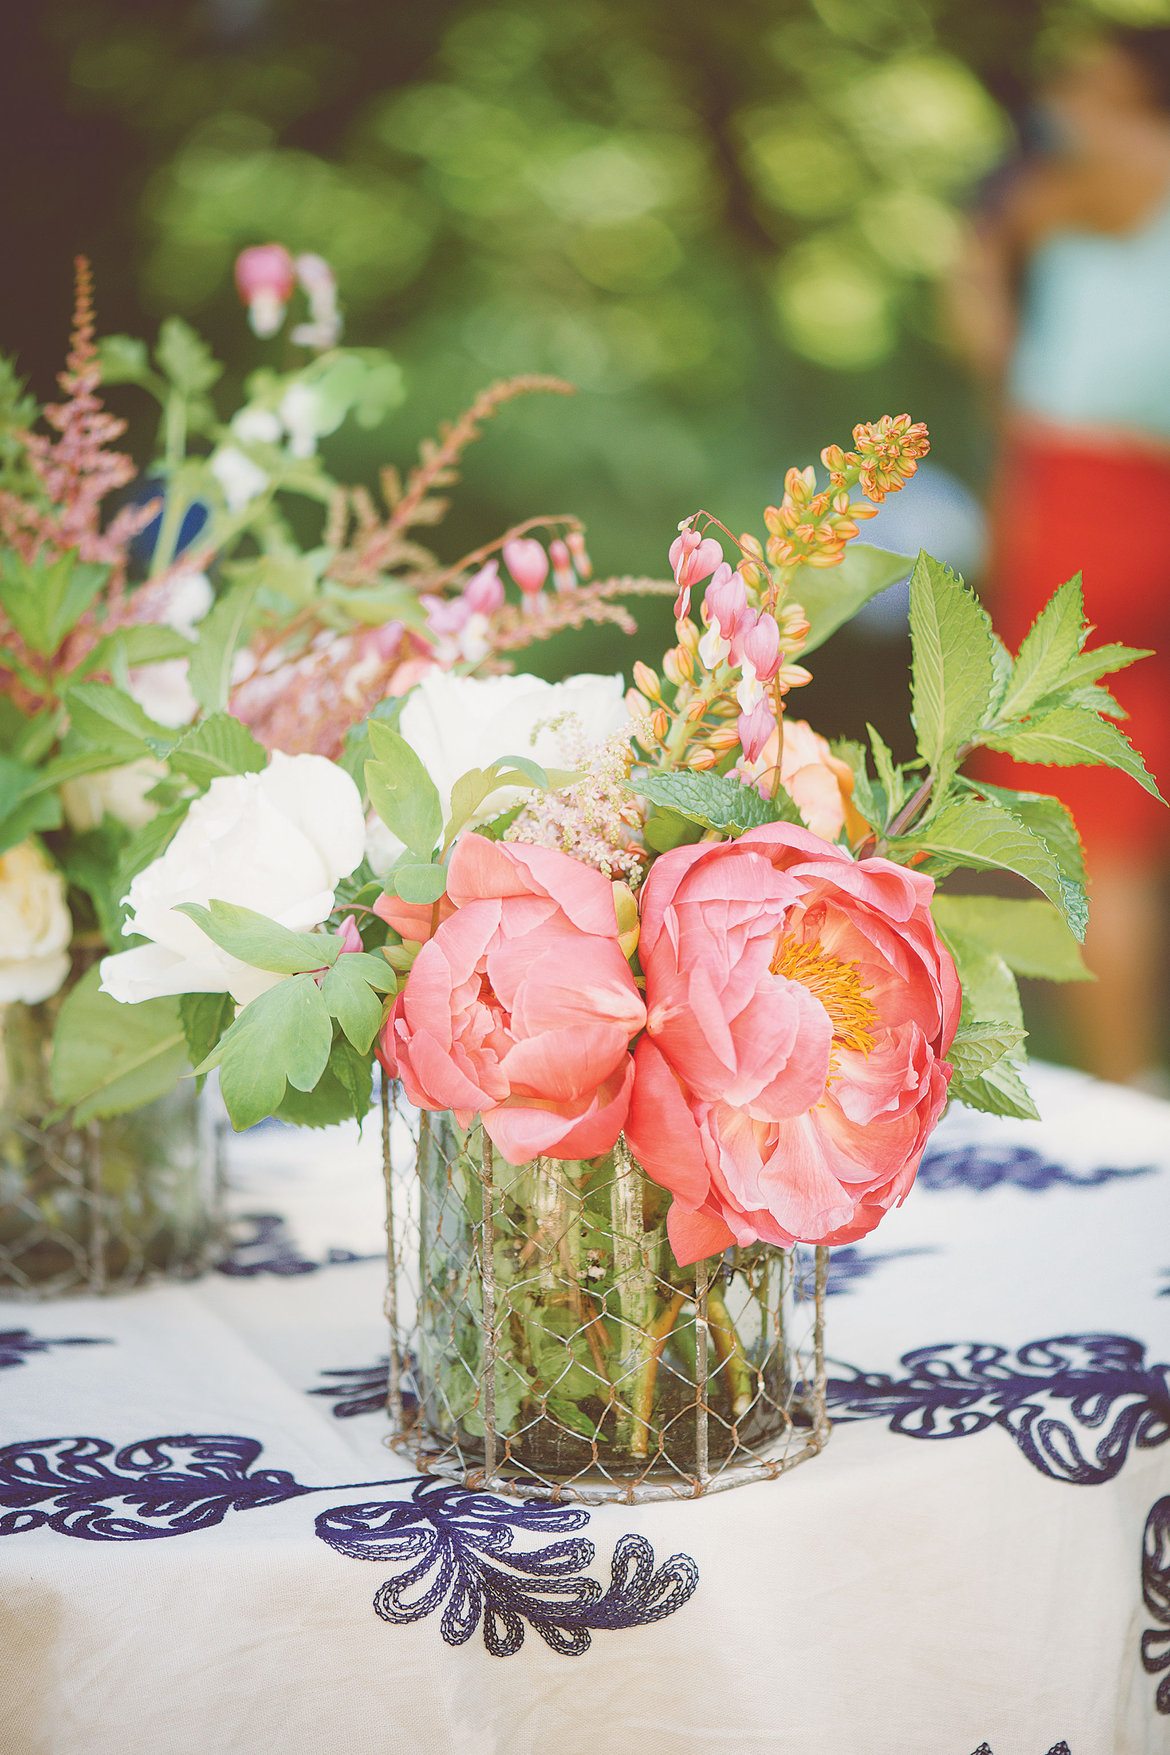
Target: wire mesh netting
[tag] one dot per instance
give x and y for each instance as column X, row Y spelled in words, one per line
column 107, row 1205
column 544, row 1341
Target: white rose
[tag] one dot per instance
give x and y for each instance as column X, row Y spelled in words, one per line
column 35, row 925
column 454, row 723
column 116, row 792
column 277, row 842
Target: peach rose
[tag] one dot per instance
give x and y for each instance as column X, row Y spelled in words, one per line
column 819, row 783
column 521, row 1006
column 799, row 1005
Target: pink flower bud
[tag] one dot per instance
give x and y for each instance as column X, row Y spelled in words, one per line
column 755, row 728
column 527, row 562
column 351, row 938
column 725, row 600
column 484, row 591
column 265, row 279
column 563, row 576
column 580, row 554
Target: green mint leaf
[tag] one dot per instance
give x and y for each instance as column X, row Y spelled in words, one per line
column 186, row 358
column 144, row 643
column 46, row 598
column 1030, row 936
column 888, row 772
column 216, row 746
column 986, row 837
column 259, row 941
column 954, row 682
column 109, row 1057
column 401, row 790
column 831, row 596
column 108, row 717
column 1048, row 649
column 1047, row 818
column 998, row 1091
column 1070, row 735
column 123, row 360
column 1100, row 662
column 714, row 801
column 977, row 1047
column 220, row 632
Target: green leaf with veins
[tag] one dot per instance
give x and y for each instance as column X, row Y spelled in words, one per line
column 1048, row 819
column 977, row 1047
column 714, row 801
column 108, row 717
column 954, row 678
column 350, row 1000
column 284, row 1034
column 831, row 596
column 109, row 1057
column 217, row 746
column 259, row 941
column 220, row 633
column 1066, row 736
column 401, row 790
column 986, row 837
column 1030, row 936
column 1053, row 641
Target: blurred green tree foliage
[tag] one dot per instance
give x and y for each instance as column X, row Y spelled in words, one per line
column 723, row 222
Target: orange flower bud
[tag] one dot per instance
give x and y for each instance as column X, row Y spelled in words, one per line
column 702, row 759
column 647, row 680
column 723, row 738
column 679, row 665
column 688, row 635
column 751, row 546
column 660, row 723
column 695, row 710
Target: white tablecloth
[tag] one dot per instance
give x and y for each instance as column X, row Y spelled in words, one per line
column 203, row 1537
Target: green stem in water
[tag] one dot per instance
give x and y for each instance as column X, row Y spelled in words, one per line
column 634, row 1286
column 731, row 1354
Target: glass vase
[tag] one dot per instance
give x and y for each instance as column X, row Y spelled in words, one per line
column 557, row 1345
column 107, row 1205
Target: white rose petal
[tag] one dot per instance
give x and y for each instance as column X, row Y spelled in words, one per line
column 277, row 842
column 116, row 792
column 35, row 926
column 454, row 723
column 258, row 426
column 240, row 478
column 164, row 691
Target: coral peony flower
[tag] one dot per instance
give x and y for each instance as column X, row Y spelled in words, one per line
column 799, row 1005
column 521, row 1007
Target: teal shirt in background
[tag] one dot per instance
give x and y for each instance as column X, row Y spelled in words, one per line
column 1094, row 341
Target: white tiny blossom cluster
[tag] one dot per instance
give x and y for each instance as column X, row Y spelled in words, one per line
column 596, row 820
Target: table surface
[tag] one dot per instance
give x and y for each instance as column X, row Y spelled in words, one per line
column 210, row 1548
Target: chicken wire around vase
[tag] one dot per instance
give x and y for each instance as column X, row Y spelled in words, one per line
column 107, row 1205
column 544, row 1342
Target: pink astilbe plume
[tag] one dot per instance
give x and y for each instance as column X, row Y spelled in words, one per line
column 76, row 470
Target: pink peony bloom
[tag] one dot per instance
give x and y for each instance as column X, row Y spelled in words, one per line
column 520, row 1007
column 799, row 1007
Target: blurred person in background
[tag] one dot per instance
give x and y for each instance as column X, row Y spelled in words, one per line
column 1061, row 303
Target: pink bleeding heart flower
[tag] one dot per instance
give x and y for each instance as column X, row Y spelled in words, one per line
column 527, row 562
column 693, row 558
column 580, row 554
column 520, row 1006
column 757, row 645
column 484, row 591
column 755, row 728
column 725, row 601
column 799, row 1009
column 564, row 577
column 265, row 279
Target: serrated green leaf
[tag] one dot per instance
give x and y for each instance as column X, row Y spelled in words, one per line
column 977, row 1047
column 1048, row 649
column 888, row 772
column 45, row 598
column 215, row 746
column 831, row 596
column 259, row 941
column 220, row 632
column 986, row 837
column 998, row 1091
column 109, row 1057
column 1100, row 662
column 1050, row 820
column 714, row 801
column 352, row 1002
column 1067, row 736
column 401, row 790
column 284, row 1034
column 122, row 359
column 1031, row 936
column 869, row 800
column 954, row 672
column 204, row 1017
column 186, row 358
column 419, row 883
column 108, row 717
column 144, row 643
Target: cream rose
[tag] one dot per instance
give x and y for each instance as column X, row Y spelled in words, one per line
column 35, row 925
column 116, row 792
column 455, row 723
column 277, row 842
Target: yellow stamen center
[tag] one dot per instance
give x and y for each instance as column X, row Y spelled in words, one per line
column 837, row 985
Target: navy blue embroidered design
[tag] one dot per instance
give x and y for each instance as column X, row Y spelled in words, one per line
column 1164, row 1291
column 849, row 1264
column 457, row 1547
column 365, row 1390
column 268, row 1248
column 985, row 1165
column 1156, row 1596
column 156, row 1487
column 17, row 1343
column 1110, row 1396
column 1060, row 1748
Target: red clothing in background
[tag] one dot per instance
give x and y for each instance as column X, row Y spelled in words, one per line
column 1066, row 505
